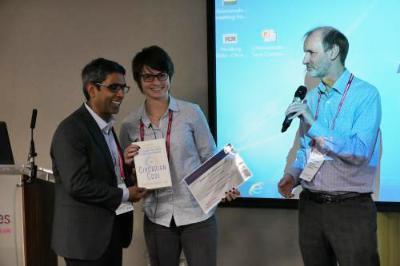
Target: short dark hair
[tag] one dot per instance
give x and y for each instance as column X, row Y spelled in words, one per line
column 330, row 37
column 154, row 57
column 97, row 71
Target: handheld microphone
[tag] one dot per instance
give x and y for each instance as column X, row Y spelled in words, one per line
column 299, row 95
column 33, row 119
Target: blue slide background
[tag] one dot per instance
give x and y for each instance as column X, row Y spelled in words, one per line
column 256, row 77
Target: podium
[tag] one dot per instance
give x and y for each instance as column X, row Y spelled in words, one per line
column 26, row 213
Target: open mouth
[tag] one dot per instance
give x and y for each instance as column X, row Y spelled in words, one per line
column 116, row 103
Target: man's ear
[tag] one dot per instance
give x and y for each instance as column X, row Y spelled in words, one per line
column 91, row 90
column 334, row 52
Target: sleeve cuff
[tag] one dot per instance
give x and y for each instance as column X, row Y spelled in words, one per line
column 125, row 194
column 295, row 173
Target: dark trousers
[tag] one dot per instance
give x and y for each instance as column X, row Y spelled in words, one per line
column 198, row 241
column 338, row 232
column 111, row 257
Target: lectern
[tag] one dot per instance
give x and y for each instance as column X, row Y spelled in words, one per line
column 26, row 212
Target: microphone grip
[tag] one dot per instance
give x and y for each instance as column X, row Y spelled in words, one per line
column 33, row 119
column 287, row 122
column 299, row 95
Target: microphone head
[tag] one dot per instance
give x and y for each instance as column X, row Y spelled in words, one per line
column 33, row 119
column 300, row 92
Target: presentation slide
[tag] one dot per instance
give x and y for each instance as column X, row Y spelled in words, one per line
column 259, row 54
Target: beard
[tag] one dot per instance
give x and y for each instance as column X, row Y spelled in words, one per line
column 318, row 71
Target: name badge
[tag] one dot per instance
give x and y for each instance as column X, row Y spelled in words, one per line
column 313, row 164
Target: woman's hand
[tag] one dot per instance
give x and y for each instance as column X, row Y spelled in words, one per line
column 231, row 195
column 130, row 152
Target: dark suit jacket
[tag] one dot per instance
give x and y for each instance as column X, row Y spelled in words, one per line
column 86, row 192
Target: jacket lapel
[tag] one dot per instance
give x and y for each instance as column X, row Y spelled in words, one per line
column 98, row 138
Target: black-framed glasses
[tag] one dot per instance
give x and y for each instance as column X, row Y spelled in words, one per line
column 162, row 76
column 115, row 87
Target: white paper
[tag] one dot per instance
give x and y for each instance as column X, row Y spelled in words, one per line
column 151, row 164
column 209, row 182
column 124, row 207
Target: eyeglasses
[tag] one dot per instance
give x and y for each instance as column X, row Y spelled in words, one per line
column 115, row 87
column 162, row 76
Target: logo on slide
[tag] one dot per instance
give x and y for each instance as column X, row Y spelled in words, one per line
column 256, row 189
column 229, row 38
column 269, row 35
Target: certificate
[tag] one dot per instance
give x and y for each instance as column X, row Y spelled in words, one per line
column 151, row 164
column 209, row 182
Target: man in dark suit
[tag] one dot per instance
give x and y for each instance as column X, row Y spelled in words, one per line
column 93, row 215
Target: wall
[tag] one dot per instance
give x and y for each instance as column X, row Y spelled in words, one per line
column 44, row 45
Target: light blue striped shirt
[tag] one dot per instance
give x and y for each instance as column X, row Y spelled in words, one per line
column 191, row 145
column 352, row 147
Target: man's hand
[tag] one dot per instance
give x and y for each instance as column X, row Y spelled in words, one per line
column 130, row 152
column 285, row 186
column 136, row 193
column 300, row 110
column 231, row 195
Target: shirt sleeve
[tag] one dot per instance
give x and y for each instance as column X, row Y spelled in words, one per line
column 125, row 194
column 300, row 160
column 124, row 135
column 203, row 138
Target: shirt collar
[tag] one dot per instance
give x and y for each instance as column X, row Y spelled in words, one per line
column 340, row 84
column 103, row 125
column 172, row 106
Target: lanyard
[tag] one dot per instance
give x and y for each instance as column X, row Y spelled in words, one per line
column 112, row 144
column 121, row 163
column 168, row 137
column 120, row 156
column 340, row 104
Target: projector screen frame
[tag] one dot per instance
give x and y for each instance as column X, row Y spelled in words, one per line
column 245, row 202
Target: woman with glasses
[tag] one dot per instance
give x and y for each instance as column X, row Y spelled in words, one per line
column 173, row 220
